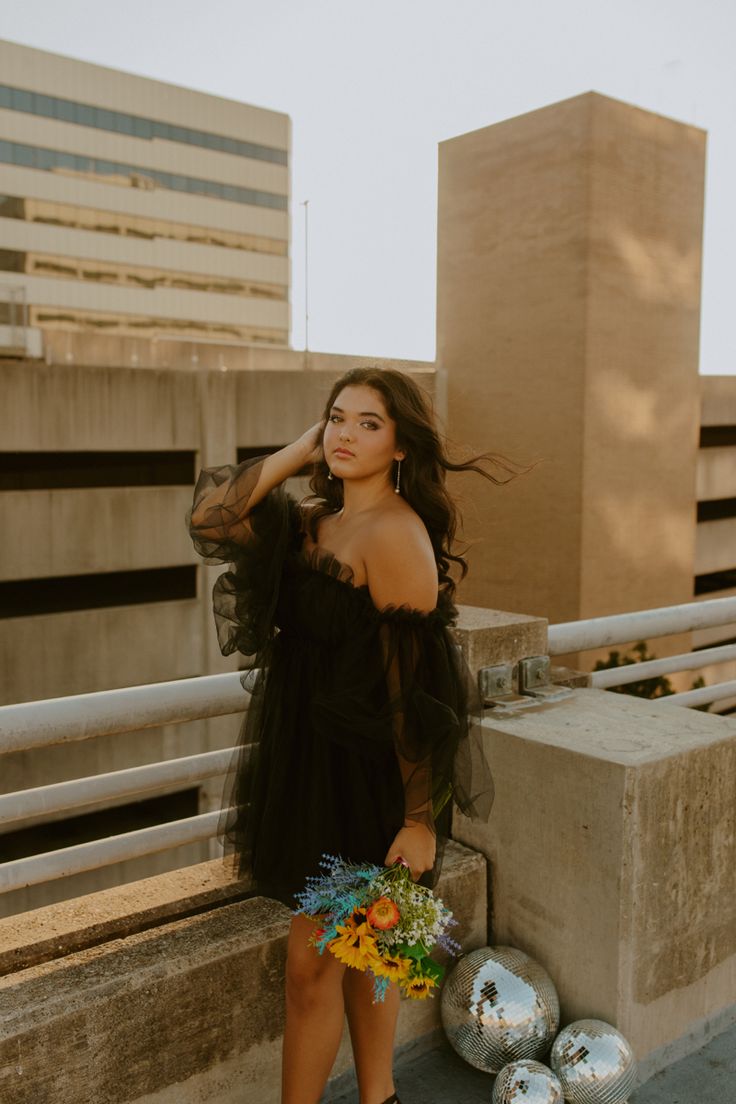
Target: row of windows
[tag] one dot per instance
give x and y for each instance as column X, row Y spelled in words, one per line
column 44, row 470
column 64, row 593
column 33, row 471
column 131, row 325
column 34, row 157
column 714, row 509
column 134, row 276
column 120, row 122
column 717, row 436
column 715, row 580
column 133, row 226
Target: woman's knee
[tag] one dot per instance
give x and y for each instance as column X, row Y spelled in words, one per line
column 309, row 973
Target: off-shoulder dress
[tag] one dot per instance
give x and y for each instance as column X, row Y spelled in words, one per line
column 360, row 719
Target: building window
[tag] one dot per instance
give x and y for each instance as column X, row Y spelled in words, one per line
column 131, row 325
column 135, row 276
column 34, row 157
column 715, row 580
column 717, row 436
column 715, row 509
column 134, row 226
column 120, row 122
column 65, row 593
column 33, row 471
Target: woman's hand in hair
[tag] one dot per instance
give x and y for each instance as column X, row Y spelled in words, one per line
column 311, row 441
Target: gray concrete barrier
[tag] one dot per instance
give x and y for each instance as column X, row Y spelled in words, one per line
column 171, row 995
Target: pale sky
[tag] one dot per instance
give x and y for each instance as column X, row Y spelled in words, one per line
column 372, row 87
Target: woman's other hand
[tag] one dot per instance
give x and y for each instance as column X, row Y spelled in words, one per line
column 418, row 845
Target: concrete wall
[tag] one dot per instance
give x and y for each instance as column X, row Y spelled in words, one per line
column 269, row 399
column 171, row 991
column 569, row 255
column 210, row 399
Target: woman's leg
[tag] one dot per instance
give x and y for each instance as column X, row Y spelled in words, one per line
column 372, row 1030
column 315, row 1014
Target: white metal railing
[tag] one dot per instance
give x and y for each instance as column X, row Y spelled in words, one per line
column 700, row 696
column 652, row 668
column 596, row 632
column 90, row 856
column 132, row 781
column 619, row 628
column 82, row 716
column 38, row 724
column 129, row 709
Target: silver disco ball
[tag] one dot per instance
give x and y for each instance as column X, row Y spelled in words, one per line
column 527, row 1082
column 498, row 1005
column 594, row 1063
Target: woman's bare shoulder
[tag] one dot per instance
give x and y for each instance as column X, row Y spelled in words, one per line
column 397, row 518
column 399, row 559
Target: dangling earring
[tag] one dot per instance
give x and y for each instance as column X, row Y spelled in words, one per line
column 398, row 476
column 330, row 475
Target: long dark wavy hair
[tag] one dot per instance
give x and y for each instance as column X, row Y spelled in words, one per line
column 423, row 470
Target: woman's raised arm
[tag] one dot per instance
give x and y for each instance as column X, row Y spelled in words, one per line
column 224, row 496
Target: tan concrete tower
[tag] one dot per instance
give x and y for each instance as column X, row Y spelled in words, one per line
column 569, row 262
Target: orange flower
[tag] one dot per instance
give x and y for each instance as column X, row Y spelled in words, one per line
column 383, row 914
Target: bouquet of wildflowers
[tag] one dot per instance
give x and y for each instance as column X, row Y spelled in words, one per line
column 377, row 919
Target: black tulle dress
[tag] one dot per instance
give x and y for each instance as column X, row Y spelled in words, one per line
column 360, row 720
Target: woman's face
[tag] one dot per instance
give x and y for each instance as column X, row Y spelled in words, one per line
column 358, row 421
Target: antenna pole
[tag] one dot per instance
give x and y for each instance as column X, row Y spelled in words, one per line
column 305, row 205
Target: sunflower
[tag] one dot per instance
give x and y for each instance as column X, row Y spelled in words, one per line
column 356, row 944
column 419, row 987
column 392, row 966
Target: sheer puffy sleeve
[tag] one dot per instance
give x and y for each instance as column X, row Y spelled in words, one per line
column 253, row 541
column 435, row 715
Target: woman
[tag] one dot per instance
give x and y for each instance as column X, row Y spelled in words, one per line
column 363, row 720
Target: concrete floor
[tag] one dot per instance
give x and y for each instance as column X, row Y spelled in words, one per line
column 439, row 1076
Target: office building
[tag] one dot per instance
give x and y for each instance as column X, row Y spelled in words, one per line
column 137, row 208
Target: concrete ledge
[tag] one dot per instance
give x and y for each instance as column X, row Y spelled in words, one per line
column 54, row 931
column 491, row 636
column 190, row 1009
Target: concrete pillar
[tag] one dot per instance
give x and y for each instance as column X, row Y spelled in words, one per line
column 612, row 852
column 569, row 259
